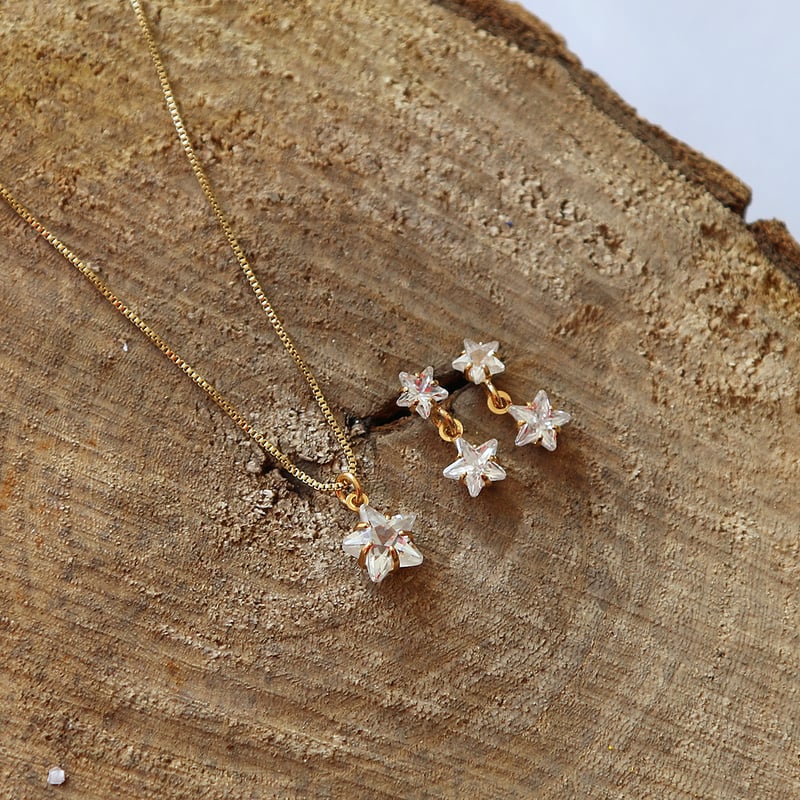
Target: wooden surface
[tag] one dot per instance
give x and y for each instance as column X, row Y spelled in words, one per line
column 616, row 620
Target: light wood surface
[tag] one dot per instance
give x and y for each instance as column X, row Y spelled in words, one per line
column 617, row 619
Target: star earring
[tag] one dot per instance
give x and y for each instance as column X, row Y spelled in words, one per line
column 476, row 466
column 537, row 421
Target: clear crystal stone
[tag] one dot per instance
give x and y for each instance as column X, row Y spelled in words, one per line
column 420, row 391
column 56, row 776
column 475, row 466
column 538, row 421
column 479, row 361
column 383, row 541
column 379, row 563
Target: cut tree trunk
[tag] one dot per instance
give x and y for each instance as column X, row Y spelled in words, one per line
column 616, row 619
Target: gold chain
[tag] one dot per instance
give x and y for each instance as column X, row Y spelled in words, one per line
column 343, row 482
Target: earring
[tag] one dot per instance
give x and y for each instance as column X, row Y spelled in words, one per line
column 537, row 421
column 476, row 466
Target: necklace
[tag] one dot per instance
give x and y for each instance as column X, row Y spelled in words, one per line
column 382, row 544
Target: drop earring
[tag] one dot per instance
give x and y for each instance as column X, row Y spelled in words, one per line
column 476, row 466
column 537, row 421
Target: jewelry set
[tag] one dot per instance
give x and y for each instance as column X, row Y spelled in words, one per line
column 476, row 466
column 382, row 544
column 385, row 544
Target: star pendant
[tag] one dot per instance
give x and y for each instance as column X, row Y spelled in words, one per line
column 538, row 421
column 382, row 544
column 479, row 361
column 420, row 392
column 476, row 466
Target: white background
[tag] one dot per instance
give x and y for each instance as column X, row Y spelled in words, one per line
column 724, row 77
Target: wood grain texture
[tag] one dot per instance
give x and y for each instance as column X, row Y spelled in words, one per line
column 615, row 620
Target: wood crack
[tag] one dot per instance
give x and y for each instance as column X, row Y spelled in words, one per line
column 386, row 415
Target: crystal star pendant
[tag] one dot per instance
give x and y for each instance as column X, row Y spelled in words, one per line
column 479, row 361
column 420, row 391
column 538, row 422
column 382, row 544
column 476, row 466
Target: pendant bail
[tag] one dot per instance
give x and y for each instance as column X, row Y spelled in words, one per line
column 499, row 402
column 351, row 494
column 448, row 426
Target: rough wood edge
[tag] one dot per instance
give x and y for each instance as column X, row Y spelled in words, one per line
column 778, row 245
column 515, row 24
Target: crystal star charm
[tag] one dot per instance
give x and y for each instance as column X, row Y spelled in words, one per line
column 382, row 544
column 476, row 466
column 420, row 392
column 538, row 422
column 479, row 361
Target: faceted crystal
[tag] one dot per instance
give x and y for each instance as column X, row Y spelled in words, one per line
column 56, row 776
column 379, row 563
column 538, row 421
column 382, row 540
column 420, row 391
column 478, row 361
column 476, row 466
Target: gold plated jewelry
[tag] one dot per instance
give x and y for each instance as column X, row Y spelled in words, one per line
column 537, row 421
column 476, row 466
column 381, row 544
